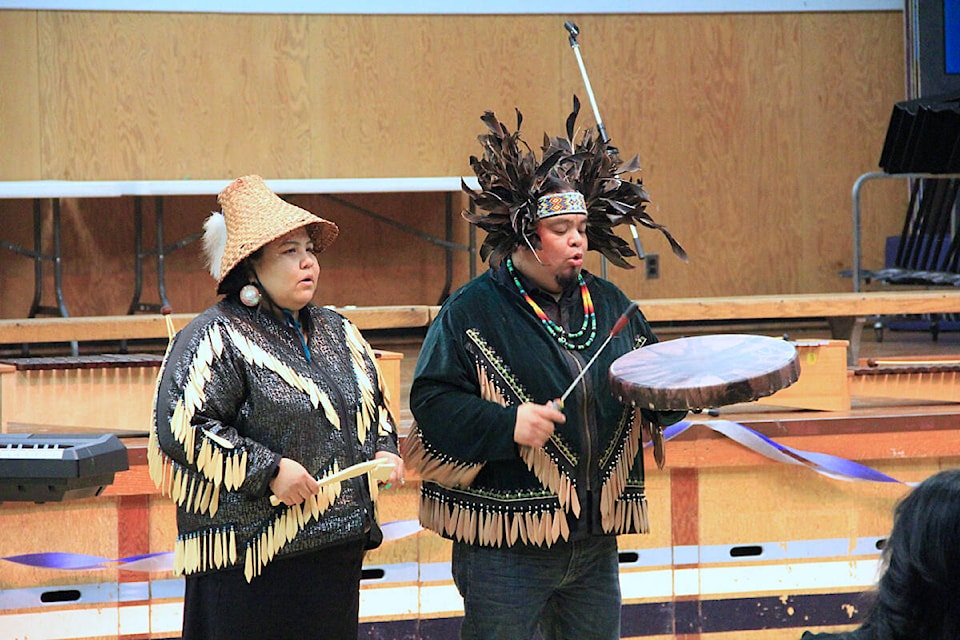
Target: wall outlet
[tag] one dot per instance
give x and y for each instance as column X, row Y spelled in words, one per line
column 652, row 263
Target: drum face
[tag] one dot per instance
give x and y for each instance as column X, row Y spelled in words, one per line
column 704, row 372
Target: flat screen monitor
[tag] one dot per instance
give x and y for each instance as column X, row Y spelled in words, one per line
column 933, row 42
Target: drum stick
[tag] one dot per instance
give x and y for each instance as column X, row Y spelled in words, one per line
column 378, row 468
column 617, row 328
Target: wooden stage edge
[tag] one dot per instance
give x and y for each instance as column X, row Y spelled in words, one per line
column 842, row 310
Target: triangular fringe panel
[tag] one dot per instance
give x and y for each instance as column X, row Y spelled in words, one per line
column 550, row 476
column 537, row 459
column 489, row 390
column 285, row 528
column 616, row 482
column 491, row 374
column 216, row 463
column 432, row 466
column 211, row 550
column 494, row 375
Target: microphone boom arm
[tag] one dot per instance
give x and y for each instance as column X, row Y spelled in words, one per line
column 574, row 32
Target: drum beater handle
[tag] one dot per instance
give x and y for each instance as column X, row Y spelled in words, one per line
column 617, row 327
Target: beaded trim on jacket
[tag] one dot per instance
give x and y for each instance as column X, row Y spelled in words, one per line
column 450, row 506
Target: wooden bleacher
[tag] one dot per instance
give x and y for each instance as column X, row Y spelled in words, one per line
column 844, row 312
column 82, row 392
column 147, row 327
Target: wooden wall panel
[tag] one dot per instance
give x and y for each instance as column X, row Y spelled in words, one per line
column 403, row 96
column 751, row 129
column 751, row 141
column 136, row 96
column 19, row 97
column 723, row 179
column 852, row 75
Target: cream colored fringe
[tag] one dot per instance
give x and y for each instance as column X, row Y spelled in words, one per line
column 493, row 529
column 488, row 388
column 285, row 528
column 433, row 468
column 213, row 550
column 614, row 486
column 217, row 549
column 256, row 355
column 550, row 476
column 368, row 403
column 217, row 465
column 631, row 515
column 537, row 459
column 450, row 474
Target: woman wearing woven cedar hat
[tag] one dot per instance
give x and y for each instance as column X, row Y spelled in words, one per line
column 533, row 497
column 265, row 403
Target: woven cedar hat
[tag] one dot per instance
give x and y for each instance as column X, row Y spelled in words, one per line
column 252, row 216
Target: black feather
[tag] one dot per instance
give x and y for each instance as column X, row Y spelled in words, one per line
column 511, row 180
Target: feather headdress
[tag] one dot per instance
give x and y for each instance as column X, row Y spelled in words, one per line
column 512, row 180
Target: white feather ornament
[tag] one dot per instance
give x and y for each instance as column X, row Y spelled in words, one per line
column 214, row 242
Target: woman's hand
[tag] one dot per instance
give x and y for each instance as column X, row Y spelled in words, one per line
column 293, row 483
column 398, row 473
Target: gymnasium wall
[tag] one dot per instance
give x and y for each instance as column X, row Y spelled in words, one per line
column 751, row 129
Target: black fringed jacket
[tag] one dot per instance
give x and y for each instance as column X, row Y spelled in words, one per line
column 236, row 393
column 485, row 354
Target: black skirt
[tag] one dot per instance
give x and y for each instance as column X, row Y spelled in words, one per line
column 307, row 596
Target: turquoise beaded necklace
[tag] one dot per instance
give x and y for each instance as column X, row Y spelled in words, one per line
column 565, row 338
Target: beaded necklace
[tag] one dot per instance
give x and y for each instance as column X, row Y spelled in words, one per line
column 560, row 334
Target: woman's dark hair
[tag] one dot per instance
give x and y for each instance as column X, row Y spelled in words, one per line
column 917, row 593
column 239, row 276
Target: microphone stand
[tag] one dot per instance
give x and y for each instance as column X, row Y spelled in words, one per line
column 574, row 31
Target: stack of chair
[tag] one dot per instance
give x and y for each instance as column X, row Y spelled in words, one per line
column 924, row 138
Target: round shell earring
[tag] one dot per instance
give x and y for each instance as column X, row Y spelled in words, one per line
column 250, row 295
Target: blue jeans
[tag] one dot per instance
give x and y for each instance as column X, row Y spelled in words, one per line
column 571, row 591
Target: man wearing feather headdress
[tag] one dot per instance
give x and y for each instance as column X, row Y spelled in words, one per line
column 533, row 494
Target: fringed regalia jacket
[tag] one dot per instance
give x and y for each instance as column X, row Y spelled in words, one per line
column 484, row 355
column 236, row 393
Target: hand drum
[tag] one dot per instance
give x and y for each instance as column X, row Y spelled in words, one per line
column 703, row 372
